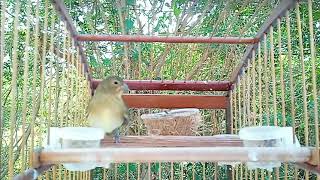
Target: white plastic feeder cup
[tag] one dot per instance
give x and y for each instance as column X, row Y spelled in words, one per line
column 81, row 137
column 262, row 136
column 54, row 138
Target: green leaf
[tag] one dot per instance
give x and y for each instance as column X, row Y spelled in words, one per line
column 93, row 61
column 133, row 167
column 135, row 55
column 129, row 24
column 122, row 168
column 130, row 2
column 176, row 10
column 106, row 62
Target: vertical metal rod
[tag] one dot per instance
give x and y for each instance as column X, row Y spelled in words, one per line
column 229, row 125
column 127, row 166
column 204, row 171
column 236, row 119
column 260, row 83
column 266, row 79
column 228, row 112
column 216, row 171
column 181, row 172
column 34, row 80
column 292, row 96
column 244, row 102
column 193, row 171
column 138, row 169
column 282, row 84
column 25, row 89
column 115, row 171
column 104, row 174
column 2, row 53
column 304, row 87
column 314, row 81
column 253, row 102
column 273, row 75
column 160, row 171
column 248, row 94
column 14, row 94
column 239, row 105
column 235, row 110
column 149, row 170
column 172, row 172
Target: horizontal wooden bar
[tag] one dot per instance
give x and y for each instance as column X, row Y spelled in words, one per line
column 164, row 101
column 177, row 154
column 166, row 39
column 173, row 85
column 172, row 141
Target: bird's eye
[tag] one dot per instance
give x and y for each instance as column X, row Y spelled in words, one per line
column 116, row 82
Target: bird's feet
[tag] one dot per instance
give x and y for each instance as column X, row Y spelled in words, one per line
column 116, row 135
column 117, row 139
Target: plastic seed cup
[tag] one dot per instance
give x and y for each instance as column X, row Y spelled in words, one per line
column 177, row 122
column 81, row 137
column 262, row 136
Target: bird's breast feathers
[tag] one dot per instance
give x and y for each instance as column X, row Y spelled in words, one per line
column 106, row 119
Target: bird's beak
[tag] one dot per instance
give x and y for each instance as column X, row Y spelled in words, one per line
column 125, row 88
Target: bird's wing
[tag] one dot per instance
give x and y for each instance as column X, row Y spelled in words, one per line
column 93, row 104
column 125, row 119
column 125, row 114
column 89, row 107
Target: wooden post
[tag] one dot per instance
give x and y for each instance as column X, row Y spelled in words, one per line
column 229, row 115
column 229, row 125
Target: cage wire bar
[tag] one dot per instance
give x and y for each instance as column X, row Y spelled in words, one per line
column 60, row 69
column 44, row 111
column 266, row 91
column 166, row 39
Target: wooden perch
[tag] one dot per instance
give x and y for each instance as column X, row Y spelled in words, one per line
column 172, row 141
column 175, row 154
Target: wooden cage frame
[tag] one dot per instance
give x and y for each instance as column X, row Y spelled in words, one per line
column 142, row 149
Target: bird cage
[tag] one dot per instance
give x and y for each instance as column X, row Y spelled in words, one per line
column 250, row 64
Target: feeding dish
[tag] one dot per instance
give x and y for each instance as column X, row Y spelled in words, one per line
column 76, row 137
column 265, row 136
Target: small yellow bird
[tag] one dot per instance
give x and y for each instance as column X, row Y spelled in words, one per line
column 107, row 110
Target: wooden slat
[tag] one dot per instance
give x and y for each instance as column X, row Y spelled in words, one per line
column 177, row 154
column 176, row 85
column 166, row 39
column 175, row 101
column 172, row 141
